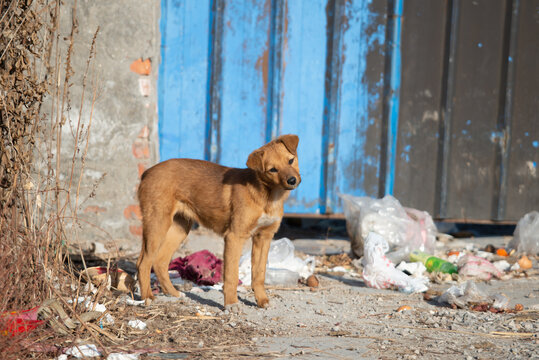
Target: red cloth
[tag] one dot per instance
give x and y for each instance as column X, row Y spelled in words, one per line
column 202, row 267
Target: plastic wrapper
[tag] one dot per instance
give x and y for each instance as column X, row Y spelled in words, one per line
column 526, row 236
column 465, row 295
column 404, row 229
column 83, row 351
column 475, row 267
column 380, row 273
column 283, row 266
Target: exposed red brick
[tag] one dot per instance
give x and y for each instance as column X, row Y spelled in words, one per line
column 141, row 149
column 94, row 209
column 141, row 169
column 141, row 67
column 135, row 230
column 132, row 212
column 144, row 132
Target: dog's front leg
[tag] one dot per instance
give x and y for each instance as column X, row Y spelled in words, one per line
column 233, row 247
column 259, row 258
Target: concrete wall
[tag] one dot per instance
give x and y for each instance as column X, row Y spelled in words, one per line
column 123, row 136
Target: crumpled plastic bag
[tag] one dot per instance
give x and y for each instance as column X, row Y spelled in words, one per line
column 83, row 351
column 405, row 229
column 201, row 267
column 478, row 268
column 123, row 356
column 283, row 267
column 526, row 235
column 380, row 273
column 414, row 269
column 467, row 294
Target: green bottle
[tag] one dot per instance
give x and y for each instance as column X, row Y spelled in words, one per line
column 433, row 263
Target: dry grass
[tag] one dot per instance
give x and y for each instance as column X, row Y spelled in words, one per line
column 38, row 210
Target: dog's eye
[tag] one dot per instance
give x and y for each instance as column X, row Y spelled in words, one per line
column 291, row 161
column 273, row 170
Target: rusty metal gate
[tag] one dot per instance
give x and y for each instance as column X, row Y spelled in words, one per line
column 433, row 101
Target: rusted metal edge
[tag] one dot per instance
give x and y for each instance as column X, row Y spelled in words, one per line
column 390, row 111
column 448, row 88
column 506, row 103
column 340, row 216
column 337, row 216
column 213, row 100
column 335, row 14
column 273, row 115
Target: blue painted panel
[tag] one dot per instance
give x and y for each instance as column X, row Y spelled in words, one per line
column 360, row 99
column 244, row 79
column 394, row 98
column 302, row 95
column 183, row 78
column 234, row 74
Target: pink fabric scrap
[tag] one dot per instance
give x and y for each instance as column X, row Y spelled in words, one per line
column 201, row 267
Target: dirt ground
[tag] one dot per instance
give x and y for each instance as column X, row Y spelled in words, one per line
column 341, row 319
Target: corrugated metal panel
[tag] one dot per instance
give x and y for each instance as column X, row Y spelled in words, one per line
column 440, row 134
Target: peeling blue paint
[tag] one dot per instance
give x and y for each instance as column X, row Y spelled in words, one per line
column 394, row 96
column 182, row 78
column 468, row 122
column 360, row 97
column 535, row 144
column 244, row 94
column 302, row 95
column 246, row 102
column 405, row 155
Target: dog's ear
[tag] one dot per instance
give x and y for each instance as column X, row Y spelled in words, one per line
column 255, row 160
column 290, row 142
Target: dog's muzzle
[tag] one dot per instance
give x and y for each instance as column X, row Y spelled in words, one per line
column 291, row 181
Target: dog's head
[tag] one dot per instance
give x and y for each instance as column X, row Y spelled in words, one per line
column 277, row 162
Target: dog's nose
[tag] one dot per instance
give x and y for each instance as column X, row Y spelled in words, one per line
column 291, row 180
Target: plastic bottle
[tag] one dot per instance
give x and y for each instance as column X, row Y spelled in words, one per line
column 281, row 277
column 433, row 263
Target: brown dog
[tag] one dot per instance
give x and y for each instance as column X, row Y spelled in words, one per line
column 235, row 203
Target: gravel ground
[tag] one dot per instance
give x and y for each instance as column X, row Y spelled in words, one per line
column 341, row 319
column 344, row 319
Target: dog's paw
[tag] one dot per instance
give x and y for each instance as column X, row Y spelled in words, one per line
column 174, row 293
column 148, row 301
column 233, row 308
column 263, row 302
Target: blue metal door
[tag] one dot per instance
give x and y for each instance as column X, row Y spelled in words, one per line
column 457, row 124
column 235, row 74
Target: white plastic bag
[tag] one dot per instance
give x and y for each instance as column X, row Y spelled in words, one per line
column 405, row 229
column 526, row 236
column 282, row 268
column 467, row 294
column 83, row 351
column 380, row 273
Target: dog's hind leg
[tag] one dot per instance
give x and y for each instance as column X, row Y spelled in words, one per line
column 153, row 235
column 176, row 234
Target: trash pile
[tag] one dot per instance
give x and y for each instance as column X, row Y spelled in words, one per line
column 384, row 233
